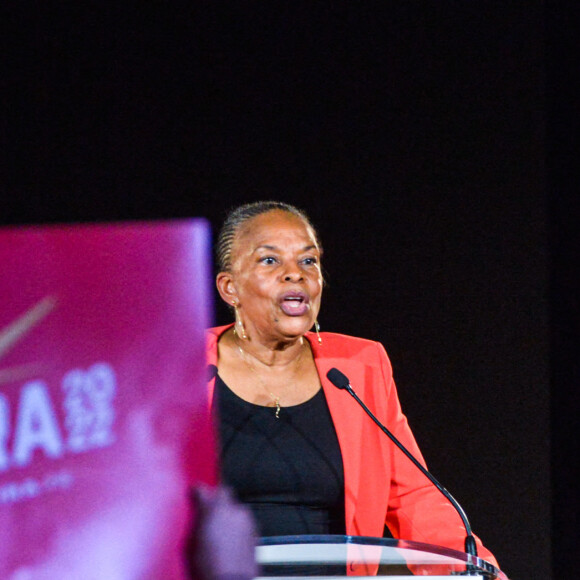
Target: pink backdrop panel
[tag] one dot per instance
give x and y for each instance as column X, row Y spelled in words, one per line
column 104, row 422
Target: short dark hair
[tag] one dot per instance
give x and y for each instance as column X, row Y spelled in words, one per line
column 237, row 217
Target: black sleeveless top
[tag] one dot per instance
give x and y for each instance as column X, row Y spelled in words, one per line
column 288, row 470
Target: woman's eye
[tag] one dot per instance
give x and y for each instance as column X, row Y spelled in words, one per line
column 309, row 261
column 268, row 260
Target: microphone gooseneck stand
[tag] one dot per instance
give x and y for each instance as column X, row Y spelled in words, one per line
column 340, row 380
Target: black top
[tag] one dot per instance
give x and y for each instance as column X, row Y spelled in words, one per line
column 288, row 469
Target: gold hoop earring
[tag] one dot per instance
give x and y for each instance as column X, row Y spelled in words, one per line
column 317, row 329
column 239, row 328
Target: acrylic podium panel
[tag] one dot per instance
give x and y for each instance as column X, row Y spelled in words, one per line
column 104, row 422
column 332, row 556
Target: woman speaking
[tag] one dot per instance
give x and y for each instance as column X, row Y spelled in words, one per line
column 298, row 451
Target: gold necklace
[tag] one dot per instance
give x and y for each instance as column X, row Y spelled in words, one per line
column 244, row 356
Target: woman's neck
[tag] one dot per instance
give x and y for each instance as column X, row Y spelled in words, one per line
column 272, row 354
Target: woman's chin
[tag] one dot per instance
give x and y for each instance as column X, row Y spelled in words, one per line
column 294, row 326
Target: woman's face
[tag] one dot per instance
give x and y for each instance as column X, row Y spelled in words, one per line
column 276, row 280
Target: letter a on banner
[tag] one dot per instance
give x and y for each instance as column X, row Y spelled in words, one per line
column 36, row 426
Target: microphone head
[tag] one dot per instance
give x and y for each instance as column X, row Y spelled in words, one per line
column 338, row 379
column 211, row 371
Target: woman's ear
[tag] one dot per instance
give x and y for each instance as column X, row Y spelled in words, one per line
column 226, row 288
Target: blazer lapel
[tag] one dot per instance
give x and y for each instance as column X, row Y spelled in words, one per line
column 348, row 418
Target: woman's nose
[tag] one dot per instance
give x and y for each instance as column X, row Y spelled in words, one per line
column 293, row 273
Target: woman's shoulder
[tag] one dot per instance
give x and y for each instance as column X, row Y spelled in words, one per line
column 218, row 330
column 212, row 335
column 335, row 344
column 342, row 350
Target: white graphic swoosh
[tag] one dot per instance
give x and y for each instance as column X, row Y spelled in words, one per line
column 12, row 334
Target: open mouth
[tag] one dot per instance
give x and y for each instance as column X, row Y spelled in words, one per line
column 294, row 303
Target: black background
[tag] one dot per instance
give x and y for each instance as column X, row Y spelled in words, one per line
column 432, row 145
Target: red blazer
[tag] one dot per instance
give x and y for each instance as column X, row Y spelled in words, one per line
column 381, row 485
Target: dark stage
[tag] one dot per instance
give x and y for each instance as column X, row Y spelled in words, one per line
column 426, row 140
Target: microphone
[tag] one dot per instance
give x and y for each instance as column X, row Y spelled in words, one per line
column 211, row 372
column 340, row 381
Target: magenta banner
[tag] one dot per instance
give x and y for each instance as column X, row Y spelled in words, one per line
column 104, row 420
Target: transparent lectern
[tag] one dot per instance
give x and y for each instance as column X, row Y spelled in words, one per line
column 341, row 556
